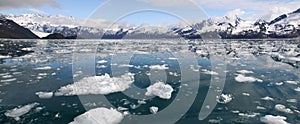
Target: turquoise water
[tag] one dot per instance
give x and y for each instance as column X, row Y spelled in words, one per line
column 275, row 62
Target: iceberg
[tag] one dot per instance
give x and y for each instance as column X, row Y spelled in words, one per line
column 19, row 111
column 97, row 85
column 99, row 116
column 160, row 89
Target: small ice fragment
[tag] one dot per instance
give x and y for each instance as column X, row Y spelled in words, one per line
column 297, row 89
column 43, row 68
column 8, row 80
column 153, row 109
column 292, row 100
column 102, row 62
column 260, row 108
column 246, row 94
column 44, row 95
column 245, row 72
column 292, row 82
column 209, row 72
column 224, row 98
column 282, row 108
column 19, row 111
column 159, row 67
column 267, row 98
column 243, row 78
column 160, row 89
column 271, row 119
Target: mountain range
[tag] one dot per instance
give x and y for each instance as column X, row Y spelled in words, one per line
column 284, row 26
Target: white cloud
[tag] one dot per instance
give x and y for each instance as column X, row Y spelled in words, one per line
column 14, row 4
column 234, row 13
column 168, row 3
column 38, row 11
column 272, row 13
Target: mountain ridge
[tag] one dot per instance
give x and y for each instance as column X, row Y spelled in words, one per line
column 284, row 26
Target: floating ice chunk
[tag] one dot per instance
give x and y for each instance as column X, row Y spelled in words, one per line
column 4, row 57
column 102, row 62
column 246, row 94
column 267, row 98
column 160, row 89
column 292, row 82
column 204, row 71
column 172, row 58
column 8, row 80
column 43, row 68
column 7, row 76
column 44, row 95
column 297, row 89
column 214, row 121
column 27, row 49
column 224, row 98
column 153, row 109
column 17, row 112
column 99, row 116
column 97, row 85
column 282, row 108
column 159, row 67
column 249, row 115
column 294, row 59
column 271, row 119
column 243, row 78
column 292, row 100
column 279, row 83
column 245, row 72
column 260, row 108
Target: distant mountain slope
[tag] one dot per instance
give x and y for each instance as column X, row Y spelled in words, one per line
column 284, row 26
column 10, row 29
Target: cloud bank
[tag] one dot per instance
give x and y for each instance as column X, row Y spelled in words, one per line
column 15, row 4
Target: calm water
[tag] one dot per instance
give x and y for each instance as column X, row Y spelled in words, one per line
column 257, row 75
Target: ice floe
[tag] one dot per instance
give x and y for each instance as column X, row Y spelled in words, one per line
column 245, row 72
column 243, row 78
column 99, row 116
column 249, row 115
column 282, row 108
column 44, row 95
column 224, row 98
column 267, row 98
column 43, row 68
column 159, row 67
column 19, row 111
column 245, row 94
column 297, row 89
column 4, row 57
column 97, row 85
column 292, row 100
column 102, row 62
column 271, row 119
column 153, row 109
column 204, row 71
column 292, row 82
column 160, row 89
column 8, row 80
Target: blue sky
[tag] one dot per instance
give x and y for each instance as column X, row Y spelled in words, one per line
column 249, row 9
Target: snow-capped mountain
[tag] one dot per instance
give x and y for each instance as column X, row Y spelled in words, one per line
column 285, row 26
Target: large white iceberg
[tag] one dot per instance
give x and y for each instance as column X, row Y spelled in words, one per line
column 160, row 89
column 97, row 85
column 99, row 116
